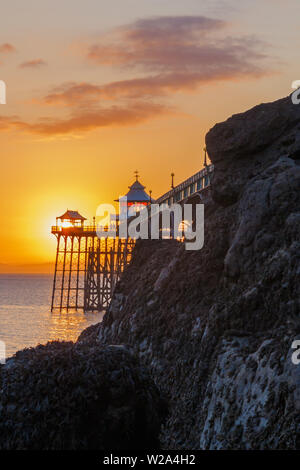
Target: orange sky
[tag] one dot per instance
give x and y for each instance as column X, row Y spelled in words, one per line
column 95, row 91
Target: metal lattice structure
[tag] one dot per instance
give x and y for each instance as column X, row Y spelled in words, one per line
column 104, row 267
column 87, row 268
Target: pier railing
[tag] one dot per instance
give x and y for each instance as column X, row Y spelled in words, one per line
column 194, row 184
column 82, row 230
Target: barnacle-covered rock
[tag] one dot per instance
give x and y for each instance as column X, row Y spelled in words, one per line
column 77, row 396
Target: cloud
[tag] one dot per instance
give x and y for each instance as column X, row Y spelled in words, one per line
column 182, row 53
column 182, row 44
column 84, row 121
column 168, row 55
column 173, row 54
column 149, row 42
column 35, row 63
column 87, row 94
column 7, row 48
column 72, row 94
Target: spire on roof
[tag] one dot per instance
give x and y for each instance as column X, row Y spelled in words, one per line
column 137, row 193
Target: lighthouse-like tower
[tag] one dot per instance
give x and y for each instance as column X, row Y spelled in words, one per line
column 135, row 199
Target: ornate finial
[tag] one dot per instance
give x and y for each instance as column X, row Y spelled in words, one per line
column 205, row 153
column 136, row 175
column 172, row 180
column 150, row 192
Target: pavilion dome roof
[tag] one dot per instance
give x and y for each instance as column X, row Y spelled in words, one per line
column 137, row 193
column 71, row 215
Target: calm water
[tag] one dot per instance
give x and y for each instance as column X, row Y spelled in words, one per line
column 25, row 317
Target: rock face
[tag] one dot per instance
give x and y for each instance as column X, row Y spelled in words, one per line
column 216, row 326
column 66, row 396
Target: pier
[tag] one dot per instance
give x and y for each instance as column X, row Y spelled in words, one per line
column 87, row 267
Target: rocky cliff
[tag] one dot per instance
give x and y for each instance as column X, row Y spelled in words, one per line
column 215, row 326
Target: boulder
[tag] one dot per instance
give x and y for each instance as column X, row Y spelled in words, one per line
column 78, row 396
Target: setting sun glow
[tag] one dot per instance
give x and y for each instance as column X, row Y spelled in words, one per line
column 107, row 94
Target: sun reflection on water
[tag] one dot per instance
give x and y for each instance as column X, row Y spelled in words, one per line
column 25, row 317
column 67, row 326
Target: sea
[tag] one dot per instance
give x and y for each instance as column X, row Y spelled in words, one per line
column 25, row 315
